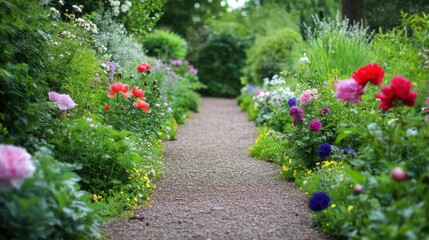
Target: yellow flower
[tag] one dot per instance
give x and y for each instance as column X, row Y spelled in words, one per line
column 285, row 168
column 147, row 185
column 128, row 199
column 333, row 205
column 135, row 199
column 96, row 197
column 122, row 192
column 350, row 208
column 146, row 178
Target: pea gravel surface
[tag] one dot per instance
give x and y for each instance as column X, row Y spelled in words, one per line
column 214, row 190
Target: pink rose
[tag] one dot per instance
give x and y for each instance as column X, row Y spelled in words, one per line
column 15, row 166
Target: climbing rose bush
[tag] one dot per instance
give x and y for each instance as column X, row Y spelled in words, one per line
column 15, row 167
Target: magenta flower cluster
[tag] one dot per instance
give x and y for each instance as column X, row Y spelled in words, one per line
column 315, row 125
column 297, row 114
column 349, row 91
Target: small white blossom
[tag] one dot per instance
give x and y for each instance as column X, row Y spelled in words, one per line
column 411, row 132
column 304, row 59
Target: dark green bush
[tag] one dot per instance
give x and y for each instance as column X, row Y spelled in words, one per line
column 219, row 62
column 272, row 53
column 165, row 45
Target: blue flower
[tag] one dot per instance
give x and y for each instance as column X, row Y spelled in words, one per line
column 350, row 151
column 324, row 150
column 291, row 102
column 319, row 201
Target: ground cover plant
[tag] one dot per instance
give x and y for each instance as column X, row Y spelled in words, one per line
column 353, row 137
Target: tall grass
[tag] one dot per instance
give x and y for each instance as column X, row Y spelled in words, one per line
column 335, row 46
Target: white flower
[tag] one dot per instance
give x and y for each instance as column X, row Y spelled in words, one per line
column 169, row 110
column 167, row 129
column 124, row 8
column 61, row 2
column 77, row 8
column 411, row 132
column 157, row 105
column 115, row 11
column 128, row 3
column 304, row 59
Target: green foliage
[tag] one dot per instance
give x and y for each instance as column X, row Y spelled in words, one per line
column 165, row 45
column 49, row 205
column 336, row 46
column 219, row 61
column 385, row 15
column 268, row 146
column 42, row 55
column 272, row 53
column 185, row 16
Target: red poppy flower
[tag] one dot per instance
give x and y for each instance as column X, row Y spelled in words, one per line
column 107, row 107
column 370, row 73
column 115, row 88
column 143, row 67
column 140, row 104
column 137, row 92
column 398, row 90
column 125, row 92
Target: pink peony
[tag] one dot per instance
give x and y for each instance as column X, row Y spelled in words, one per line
column 15, row 167
column 53, row 96
column 315, row 125
column 65, row 102
column 349, row 91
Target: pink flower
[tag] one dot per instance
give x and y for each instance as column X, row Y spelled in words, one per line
column 315, row 125
column 349, row 91
column 305, row 98
column 53, row 96
column 15, row 167
column 63, row 101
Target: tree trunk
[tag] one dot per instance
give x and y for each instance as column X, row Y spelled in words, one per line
column 352, row 9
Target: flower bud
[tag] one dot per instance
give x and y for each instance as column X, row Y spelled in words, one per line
column 398, row 174
column 358, row 189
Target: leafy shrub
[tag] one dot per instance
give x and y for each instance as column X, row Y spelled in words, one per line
column 42, row 55
column 49, row 205
column 219, row 61
column 272, row 53
column 165, row 45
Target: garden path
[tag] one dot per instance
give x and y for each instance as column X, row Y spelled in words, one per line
column 214, row 190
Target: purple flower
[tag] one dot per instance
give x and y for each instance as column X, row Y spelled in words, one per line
column 192, row 70
column 315, row 125
column 297, row 113
column 325, row 110
column 324, row 150
column 319, row 201
column 176, row 63
column 53, row 96
column 349, row 151
column 291, row 102
column 112, row 68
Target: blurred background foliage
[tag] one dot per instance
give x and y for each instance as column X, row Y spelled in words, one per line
column 219, row 36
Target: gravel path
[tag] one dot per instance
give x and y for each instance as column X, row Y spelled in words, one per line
column 214, row 190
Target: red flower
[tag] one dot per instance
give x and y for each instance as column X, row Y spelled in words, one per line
column 107, row 107
column 140, row 104
column 370, row 73
column 143, row 67
column 125, row 92
column 115, row 88
column 399, row 89
column 137, row 92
